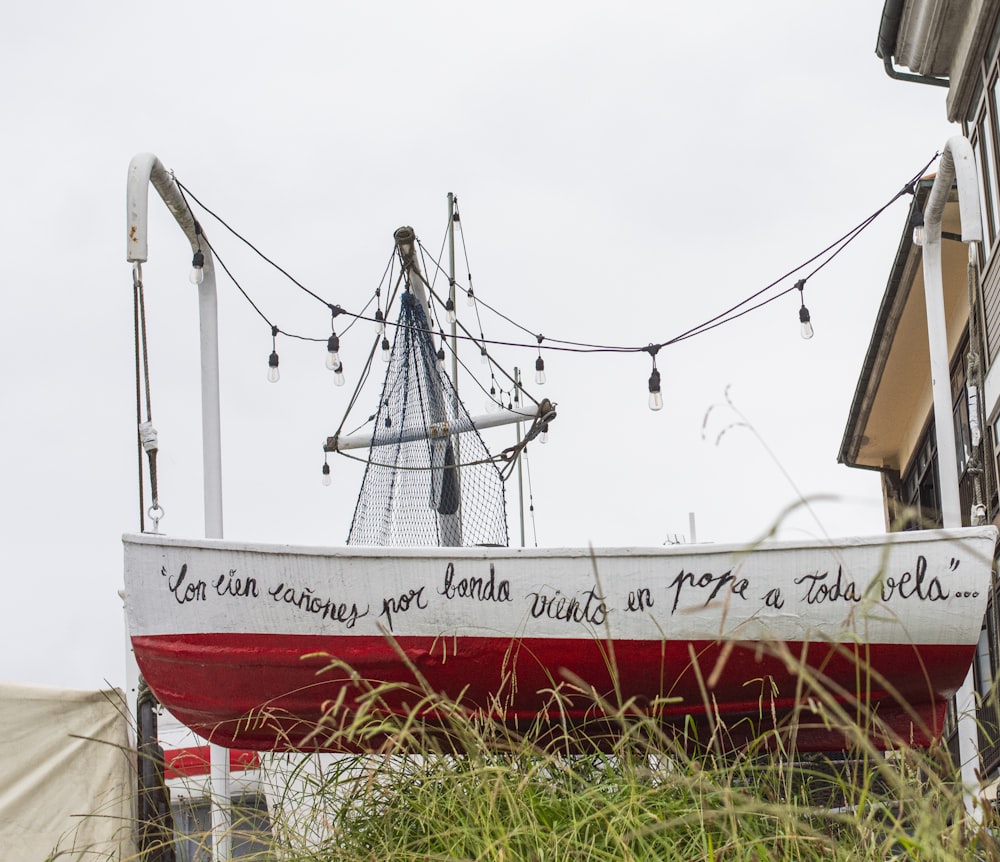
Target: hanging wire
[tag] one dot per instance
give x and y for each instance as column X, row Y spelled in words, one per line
column 734, row 312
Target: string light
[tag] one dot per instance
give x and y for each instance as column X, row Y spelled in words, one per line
column 338, row 375
column 484, row 357
column 449, row 307
column 326, row 474
column 655, row 396
column 544, row 436
column 197, row 275
column 539, row 363
column 726, row 316
column 805, row 325
column 470, row 297
column 333, row 352
column 273, row 375
column 917, row 221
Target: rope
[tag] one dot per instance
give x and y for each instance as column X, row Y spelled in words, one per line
column 147, row 436
column 531, row 499
column 136, row 290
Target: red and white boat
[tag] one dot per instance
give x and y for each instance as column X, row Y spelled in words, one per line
column 250, row 645
column 233, row 638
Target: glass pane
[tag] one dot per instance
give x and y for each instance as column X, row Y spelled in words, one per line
column 987, row 132
column 984, row 669
column 983, row 198
column 963, row 445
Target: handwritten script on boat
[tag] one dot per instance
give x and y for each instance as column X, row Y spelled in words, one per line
column 790, row 591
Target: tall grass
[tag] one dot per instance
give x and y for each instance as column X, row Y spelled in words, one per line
column 449, row 782
column 446, row 781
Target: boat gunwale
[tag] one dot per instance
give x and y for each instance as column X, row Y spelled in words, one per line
column 489, row 551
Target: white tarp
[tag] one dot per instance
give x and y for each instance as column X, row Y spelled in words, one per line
column 66, row 774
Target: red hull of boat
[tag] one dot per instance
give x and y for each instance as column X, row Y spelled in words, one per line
column 268, row 691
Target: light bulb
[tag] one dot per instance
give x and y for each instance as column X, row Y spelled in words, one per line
column 449, row 307
column 805, row 328
column 440, row 356
column 333, row 352
column 338, row 375
column 273, row 375
column 385, row 350
column 326, row 474
column 491, row 402
column 197, row 275
column 539, row 371
column 470, row 298
column 380, row 321
column 917, row 220
column 655, row 396
column 484, row 357
column 544, row 437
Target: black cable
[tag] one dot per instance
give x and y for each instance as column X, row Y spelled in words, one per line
column 564, row 345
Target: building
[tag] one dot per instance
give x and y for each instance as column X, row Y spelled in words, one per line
column 952, row 44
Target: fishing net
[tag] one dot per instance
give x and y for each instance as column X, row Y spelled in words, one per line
column 429, row 478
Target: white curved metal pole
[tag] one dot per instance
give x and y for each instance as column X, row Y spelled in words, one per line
column 144, row 170
column 957, row 166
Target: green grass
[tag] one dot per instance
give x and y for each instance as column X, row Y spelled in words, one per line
column 466, row 787
column 446, row 782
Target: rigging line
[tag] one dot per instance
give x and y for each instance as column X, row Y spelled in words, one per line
column 475, row 379
column 150, row 453
column 385, row 273
column 531, row 496
column 254, row 248
column 412, row 468
column 366, row 370
column 136, row 285
column 468, row 270
column 468, row 336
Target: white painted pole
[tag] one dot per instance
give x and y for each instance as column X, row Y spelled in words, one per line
column 146, row 169
column 957, row 164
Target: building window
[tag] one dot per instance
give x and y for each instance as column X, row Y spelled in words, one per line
column 984, row 665
column 250, row 834
column 921, row 482
column 921, row 487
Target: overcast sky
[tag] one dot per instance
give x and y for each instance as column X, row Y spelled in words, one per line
column 624, row 171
